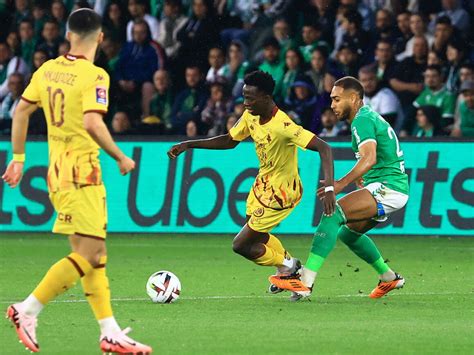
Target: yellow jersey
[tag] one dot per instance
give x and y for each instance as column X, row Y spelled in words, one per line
column 66, row 88
column 278, row 184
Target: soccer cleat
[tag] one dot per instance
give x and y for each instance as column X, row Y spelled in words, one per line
column 385, row 287
column 120, row 343
column 296, row 296
column 289, row 282
column 25, row 327
column 284, row 271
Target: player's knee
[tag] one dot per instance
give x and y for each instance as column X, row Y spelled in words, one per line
column 239, row 248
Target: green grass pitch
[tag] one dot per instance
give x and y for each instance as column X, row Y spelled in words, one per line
column 224, row 307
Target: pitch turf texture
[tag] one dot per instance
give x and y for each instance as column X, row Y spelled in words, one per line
column 224, row 308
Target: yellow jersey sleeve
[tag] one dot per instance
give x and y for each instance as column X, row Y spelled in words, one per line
column 95, row 95
column 297, row 134
column 32, row 93
column 240, row 131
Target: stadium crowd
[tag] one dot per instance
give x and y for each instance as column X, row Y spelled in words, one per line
column 177, row 66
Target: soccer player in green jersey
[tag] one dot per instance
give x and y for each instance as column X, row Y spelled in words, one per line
column 383, row 189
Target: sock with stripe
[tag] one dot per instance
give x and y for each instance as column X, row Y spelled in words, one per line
column 323, row 243
column 59, row 278
column 366, row 249
column 97, row 291
column 275, row 244
column 272, row 258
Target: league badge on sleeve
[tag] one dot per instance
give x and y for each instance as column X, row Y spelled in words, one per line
column 101, row 95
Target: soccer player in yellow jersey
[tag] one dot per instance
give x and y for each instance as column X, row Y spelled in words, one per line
column 73, row 93
column 277, row 188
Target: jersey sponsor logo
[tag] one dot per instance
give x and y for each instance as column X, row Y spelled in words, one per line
column 101, row 95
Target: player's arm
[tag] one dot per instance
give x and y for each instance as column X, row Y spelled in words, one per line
column 224, row 141
column 368, row 158
column 325, row 153
column 95, row 126
column 21, row 119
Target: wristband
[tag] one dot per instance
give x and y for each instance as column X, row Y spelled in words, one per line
column 19, row 158
column 328, row 188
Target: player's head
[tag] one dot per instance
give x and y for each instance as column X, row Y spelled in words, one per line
column 258, row 92
column 84, row 25
column 346, row 95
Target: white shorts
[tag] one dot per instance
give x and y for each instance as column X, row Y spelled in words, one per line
column 388, row 200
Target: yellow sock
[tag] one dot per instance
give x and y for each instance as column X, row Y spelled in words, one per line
column 97, row 291
column 61, row 277
column 270, row 257
column 275, row 244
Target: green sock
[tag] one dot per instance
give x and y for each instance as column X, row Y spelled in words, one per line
column 324, row 239
column 364, row 248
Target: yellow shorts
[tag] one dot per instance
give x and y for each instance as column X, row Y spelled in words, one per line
column 81, row 211
column 264, row 219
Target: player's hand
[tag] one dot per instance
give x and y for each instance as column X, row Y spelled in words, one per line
column 13, row 174
column 329, row 202
column 337, row 188
column 176, row 150
column 360, row 183
column 125, row 165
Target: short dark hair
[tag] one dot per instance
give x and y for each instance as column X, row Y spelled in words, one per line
column 435, row 68
column 353, row 16
column 261, row 80
column 271, row 42
column 444, row 20
column 384, row 41
column 84, row 22
column 349, row 82
column 368, row 69
column 28, row 21
column 467, row 65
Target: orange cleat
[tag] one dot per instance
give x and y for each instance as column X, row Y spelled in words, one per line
column 385, row 287
column 289, row 282
column 25, row 327
column 120, row 343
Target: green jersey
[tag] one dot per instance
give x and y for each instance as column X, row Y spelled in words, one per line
column 369, row 126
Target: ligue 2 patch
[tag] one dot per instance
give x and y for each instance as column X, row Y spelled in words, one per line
column 101, row 95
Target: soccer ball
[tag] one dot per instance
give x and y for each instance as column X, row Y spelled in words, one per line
column 163, row 287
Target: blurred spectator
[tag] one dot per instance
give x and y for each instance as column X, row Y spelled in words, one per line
column 311, row 35
column 189, row 102
column 331, row 126
column 138, row 11
column 384, row 27
column 381, row 99
column 443, row 33
column 407, row 79
column 281, row 31
column 115, row 21
column 348, row 59
column 40, row 17
column 9, row 64
column 111, row 49
column 235, row 68
column 198, row 34
column 384, row 63
column 172, row 22
column 354, row 36
column 427, row 122
column 319, row 67
column 162, row 102
column 59, row 13
column 466, row 73
column 464, row 118
column 16, row 85
column 364, row 11
column 301, row 103
column 404, row 32
column 136, row 65
column 216, row 62
column 121, row 124
column 22, row 11
column 455, row 54
column 324, row 12
column 13, row 41
column 28, row 41
column 217, row 108
column 454, row 11
column 418, row 28
column 191, row 129
column 272, row 64
column 435, row 94
column 239, row 107
column 50, row 38
column 64, row 48
column 294, row 65
column 39, row 58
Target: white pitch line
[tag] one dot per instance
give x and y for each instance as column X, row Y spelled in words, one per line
column 199, row 298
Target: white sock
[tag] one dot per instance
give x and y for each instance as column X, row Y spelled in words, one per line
column 109, row 325
column 289, row 263
column 308, row 277
column 388, row 276
column 31, row 306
